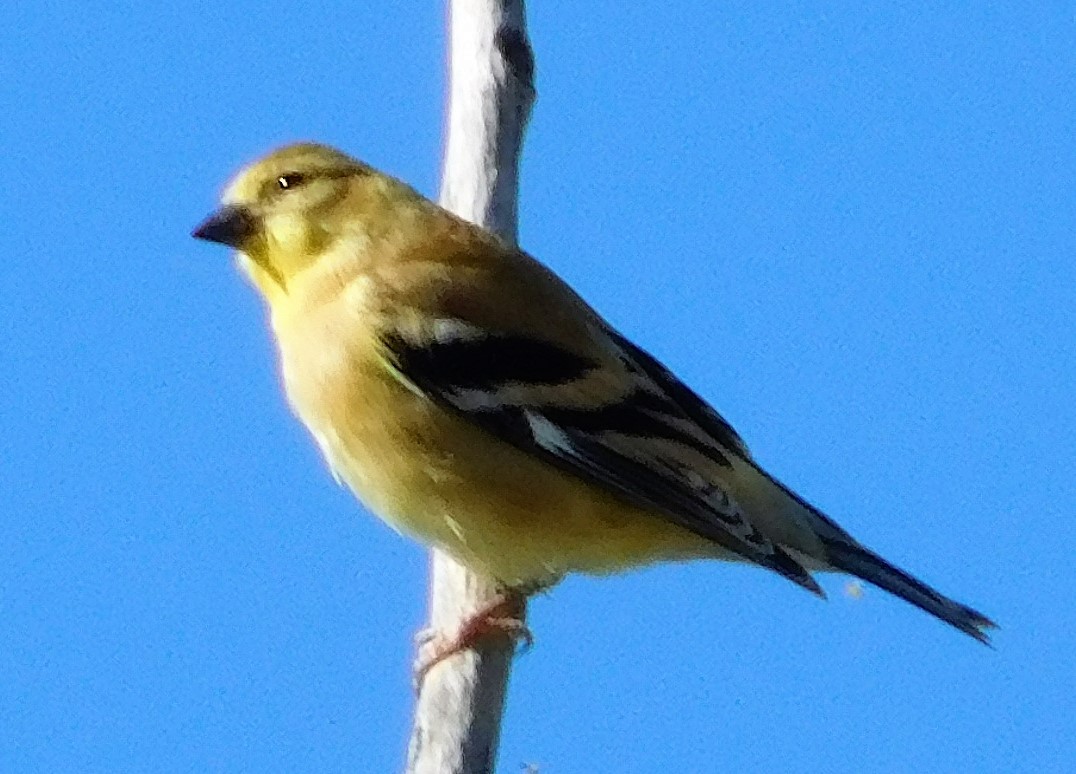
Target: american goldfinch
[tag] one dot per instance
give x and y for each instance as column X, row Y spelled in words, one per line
column 472, row 400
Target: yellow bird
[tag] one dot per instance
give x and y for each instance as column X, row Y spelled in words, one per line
column 472, row 400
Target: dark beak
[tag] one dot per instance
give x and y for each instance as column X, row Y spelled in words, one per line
column 230, row 225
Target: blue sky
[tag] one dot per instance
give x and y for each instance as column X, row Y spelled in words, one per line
column 851, row 227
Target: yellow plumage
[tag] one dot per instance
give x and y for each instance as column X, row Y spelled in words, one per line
column 471, row 399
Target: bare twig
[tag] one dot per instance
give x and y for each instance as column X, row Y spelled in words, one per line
column 491, row 77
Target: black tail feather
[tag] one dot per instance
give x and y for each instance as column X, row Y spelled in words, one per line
column 858, row 561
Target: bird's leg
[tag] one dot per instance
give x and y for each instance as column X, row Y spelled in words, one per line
column 502, row 616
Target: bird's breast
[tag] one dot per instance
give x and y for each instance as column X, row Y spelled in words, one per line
column 430, row 473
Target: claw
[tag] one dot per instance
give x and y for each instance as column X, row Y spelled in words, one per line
column 502, row 616
column 424, row 637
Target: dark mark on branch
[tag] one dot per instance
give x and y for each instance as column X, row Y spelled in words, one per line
column 516, row 50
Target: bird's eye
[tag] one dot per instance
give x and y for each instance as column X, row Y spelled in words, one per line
column 290, row 180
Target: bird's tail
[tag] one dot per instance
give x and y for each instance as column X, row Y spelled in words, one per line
column 836, row 549
column 853, row 558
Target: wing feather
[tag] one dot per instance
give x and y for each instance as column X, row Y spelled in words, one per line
column 640, row 442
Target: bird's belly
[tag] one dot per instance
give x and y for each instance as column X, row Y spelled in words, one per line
column 432, row 475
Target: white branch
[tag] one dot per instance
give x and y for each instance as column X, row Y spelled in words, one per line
column 491, row 89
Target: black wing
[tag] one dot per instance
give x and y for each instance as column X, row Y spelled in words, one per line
column 698, row 410
column 646, row 442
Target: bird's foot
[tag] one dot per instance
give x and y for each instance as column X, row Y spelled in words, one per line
column 502, row 616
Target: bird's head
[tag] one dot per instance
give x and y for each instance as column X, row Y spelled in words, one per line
column 284, row 211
